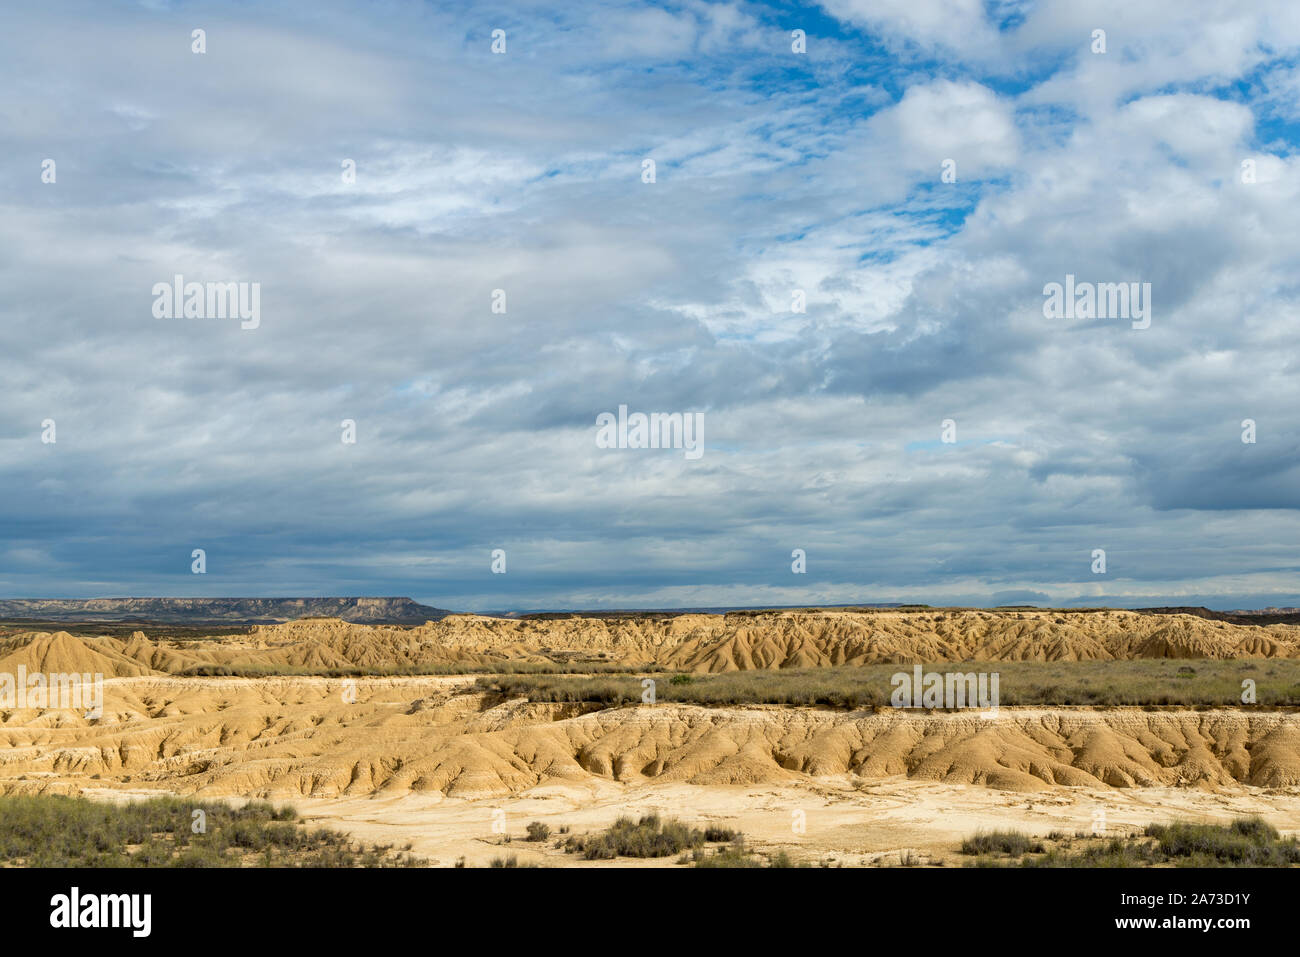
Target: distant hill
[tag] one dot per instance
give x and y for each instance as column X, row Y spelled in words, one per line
column 545, row 614
column 371, row 611
column 1239, row 616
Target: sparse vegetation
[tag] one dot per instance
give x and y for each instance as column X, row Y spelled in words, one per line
column 714, row 834
column 736, row 854
column 57, row 831
column 651, row 836
column 1148, row 682
column 1246, row 842
column 433, row 668
column 1001, row 842
column 733, row 855
column 654, row 836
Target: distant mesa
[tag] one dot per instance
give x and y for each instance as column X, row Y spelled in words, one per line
column 370, row 611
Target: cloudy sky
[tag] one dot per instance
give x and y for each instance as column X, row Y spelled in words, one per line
column 775, row 171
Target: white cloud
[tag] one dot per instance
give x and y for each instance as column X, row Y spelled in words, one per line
column 523, row 172
column 940, row 120
column 959, row 24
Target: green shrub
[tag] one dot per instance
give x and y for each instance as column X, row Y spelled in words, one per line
column 58, row 831
column 1245, row 842
column 1001, row 842
column 651, row 836
column 735, row 854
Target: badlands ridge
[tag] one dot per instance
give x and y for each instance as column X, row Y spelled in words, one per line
column 169, row 724
column 697, row 643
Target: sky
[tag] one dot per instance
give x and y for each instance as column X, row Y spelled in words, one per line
column 465, row 253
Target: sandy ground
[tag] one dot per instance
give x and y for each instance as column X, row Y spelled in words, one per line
column 842, row 823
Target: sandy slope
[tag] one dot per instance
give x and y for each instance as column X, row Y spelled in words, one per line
column 301, row 737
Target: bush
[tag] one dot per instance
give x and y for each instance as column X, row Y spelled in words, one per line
column 1001, row 842
column 537, row 831
column 736, row 854
column 733, row 855
column 57, row 831
column 651, row 836
column 1246, row 842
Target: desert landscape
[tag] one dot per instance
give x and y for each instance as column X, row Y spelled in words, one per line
column 649, row 436
column 463, row 738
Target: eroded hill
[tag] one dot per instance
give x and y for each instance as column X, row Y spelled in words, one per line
column 698, row 643
column 312, row 737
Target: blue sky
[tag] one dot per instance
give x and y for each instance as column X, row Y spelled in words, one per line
column 776, row 171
